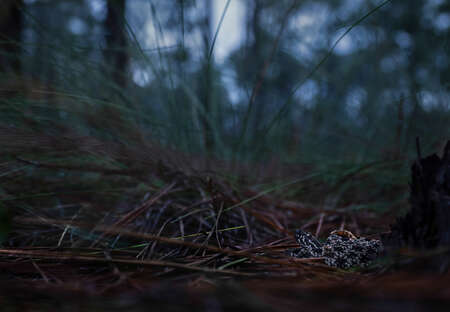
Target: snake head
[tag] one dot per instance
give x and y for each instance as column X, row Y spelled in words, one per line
column 307, row 240
column 344, row 233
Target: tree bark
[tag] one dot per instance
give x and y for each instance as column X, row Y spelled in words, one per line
column 11, row 26
column 116, row 54
column 427, row 223
column 206, row 88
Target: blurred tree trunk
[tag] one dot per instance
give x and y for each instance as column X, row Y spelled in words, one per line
column 206, row 87
column 116, row 41
column 257, row 54
column 10, row 35
column 415, row 56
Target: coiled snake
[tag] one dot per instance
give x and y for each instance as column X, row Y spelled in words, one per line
column 341, row 249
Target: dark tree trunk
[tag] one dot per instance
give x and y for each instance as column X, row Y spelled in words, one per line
column 257, row 54
column 11, row 25
column 206, row 88
column 116, row 41
column 427, row 224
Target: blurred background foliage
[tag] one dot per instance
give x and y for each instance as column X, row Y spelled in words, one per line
column 120, row 83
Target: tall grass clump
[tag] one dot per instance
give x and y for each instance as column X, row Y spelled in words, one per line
column 79, row 138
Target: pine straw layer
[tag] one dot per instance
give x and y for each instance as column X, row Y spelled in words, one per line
column 164, row 235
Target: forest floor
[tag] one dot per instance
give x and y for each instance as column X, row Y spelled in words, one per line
column 194, row 242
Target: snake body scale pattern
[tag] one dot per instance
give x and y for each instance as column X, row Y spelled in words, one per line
column 341, row 249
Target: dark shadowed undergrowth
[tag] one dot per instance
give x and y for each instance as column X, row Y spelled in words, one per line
column 170, row 197
column 122, row 225
column 95, row 205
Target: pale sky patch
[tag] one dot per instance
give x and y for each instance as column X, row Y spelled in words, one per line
column 231, row 33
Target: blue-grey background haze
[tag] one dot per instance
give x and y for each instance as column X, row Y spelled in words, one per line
column 395, row 55
column 311, row 22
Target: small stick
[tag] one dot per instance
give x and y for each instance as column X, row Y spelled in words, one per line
column 341, row 228
column 44, row 276
column 319, row 226
column 71, row 257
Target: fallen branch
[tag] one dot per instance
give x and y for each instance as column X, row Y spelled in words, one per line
column 50, row 255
